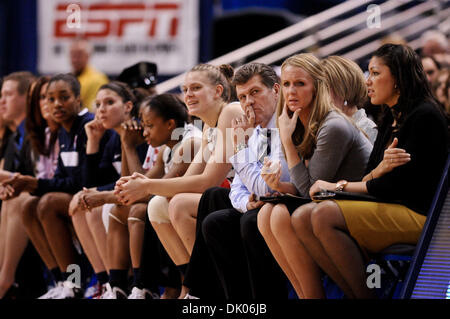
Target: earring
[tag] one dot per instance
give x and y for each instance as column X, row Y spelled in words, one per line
column 395, row 86
column 345, row 102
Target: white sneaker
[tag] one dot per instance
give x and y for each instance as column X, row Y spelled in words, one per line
column 188, row 296
column 70, row 291
column 137, row 293
column 54, row 292
column 107, row 292
column 113, row 293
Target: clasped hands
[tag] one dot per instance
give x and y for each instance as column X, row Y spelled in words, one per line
column 130, row 189
column 13, row 186
column 86, row 199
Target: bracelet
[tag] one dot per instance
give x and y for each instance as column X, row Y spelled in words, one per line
column 239, row 147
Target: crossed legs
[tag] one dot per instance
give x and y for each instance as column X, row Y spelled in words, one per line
column 315, row 237
column 323, row 231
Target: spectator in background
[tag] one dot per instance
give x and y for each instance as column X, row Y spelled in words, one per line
column 431, row 67
column 89, row 78
column 142, row 75
column 441, row 88
column 393, row 38
column 435, row 43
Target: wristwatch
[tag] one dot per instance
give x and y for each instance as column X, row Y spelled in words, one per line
column 340, row 185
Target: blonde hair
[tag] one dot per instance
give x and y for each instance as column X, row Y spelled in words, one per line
column 305, row 138
column 218, row 75
column 345, row 79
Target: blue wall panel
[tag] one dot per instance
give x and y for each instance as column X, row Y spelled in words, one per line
column 18, row 36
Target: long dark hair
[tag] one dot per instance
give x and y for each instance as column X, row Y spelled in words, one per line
column 35, row 123
column 125, row 93
column 407, row 69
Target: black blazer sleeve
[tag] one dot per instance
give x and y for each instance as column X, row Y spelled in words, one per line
column 424, row 135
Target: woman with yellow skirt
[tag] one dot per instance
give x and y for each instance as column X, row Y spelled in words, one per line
column 405, row 167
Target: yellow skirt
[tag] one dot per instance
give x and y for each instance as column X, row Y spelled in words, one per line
column 376, row 226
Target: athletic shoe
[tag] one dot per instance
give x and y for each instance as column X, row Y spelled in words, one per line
column 54, row 292
column 188, row 296
column 94, row 291
column 137, row 293
column 113, row 293
column 70, row 291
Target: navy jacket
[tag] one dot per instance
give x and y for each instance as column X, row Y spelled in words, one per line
column 102, row 169
column 68, row 176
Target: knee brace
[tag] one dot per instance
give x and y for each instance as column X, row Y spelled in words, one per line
column 158, row 210
column 106, row 209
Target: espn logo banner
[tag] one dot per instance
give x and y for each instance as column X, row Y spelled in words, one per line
column 121, row 33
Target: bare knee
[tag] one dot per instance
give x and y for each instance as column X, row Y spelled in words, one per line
column 280, row 220
column 136, row 215
column 73, row 205
column 263, row 219
column 178, row 211
column 322, row 217
column 94, row 218
column 28, row 214
column 118, row 216
column 28, row 211
column 301, row 219
column 45, row 208
column 78, row 217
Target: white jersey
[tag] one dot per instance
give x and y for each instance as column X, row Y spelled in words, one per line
column 150, row 158
column 190, row 131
